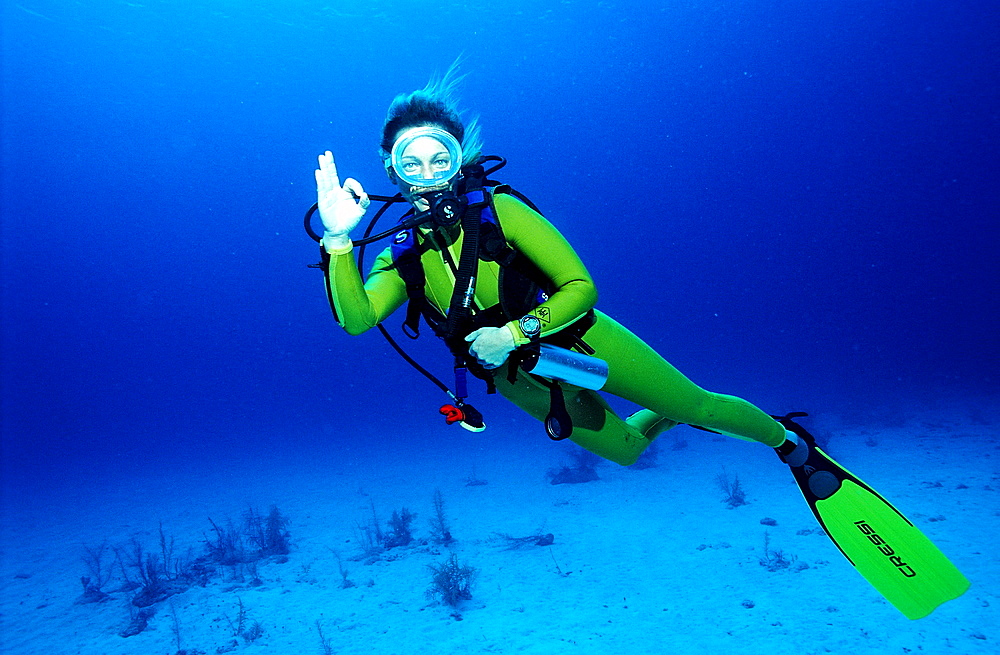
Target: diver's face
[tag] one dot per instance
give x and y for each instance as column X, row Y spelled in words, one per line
column 422, row 159
column 425, row 158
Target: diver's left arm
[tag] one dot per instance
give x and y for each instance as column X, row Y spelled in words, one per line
column 537, row 239
column 574, row 293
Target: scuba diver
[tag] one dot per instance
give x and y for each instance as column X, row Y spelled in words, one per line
column 434, row 160
column 515, row 306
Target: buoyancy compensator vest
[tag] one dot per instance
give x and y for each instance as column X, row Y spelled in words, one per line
column 522, row 287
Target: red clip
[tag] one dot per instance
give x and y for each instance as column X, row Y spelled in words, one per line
column 452, row 414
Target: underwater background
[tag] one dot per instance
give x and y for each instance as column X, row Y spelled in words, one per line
column 796, row 203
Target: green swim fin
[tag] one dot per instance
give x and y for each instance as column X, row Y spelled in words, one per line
column 886, row 548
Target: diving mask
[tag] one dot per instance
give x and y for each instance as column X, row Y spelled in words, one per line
column 426, row 158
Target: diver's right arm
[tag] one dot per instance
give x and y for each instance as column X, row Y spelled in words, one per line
column 356, row 305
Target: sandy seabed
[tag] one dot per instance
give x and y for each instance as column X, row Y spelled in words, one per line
column 643, row 561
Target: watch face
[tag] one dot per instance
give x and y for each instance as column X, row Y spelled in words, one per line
column 531, row 326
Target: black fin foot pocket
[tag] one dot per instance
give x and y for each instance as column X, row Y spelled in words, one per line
column 794, row 454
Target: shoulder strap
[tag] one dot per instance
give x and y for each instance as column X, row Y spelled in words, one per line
column 493, row 245
column 406, row 260
column 468, row 264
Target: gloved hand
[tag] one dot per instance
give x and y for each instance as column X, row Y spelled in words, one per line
column 491, row 345
column 338, row 209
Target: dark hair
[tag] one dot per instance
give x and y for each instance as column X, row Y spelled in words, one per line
column 432, row 105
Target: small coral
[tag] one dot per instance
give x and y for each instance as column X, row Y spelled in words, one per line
column 227, row 547
column 583, row 469
column 268, row 534
column 732, row 490
column 775, row 560
column 451, row 581
column 440, row 528
column 519, row 543
column 139, row 622
column 91, row 593
column 399, row 529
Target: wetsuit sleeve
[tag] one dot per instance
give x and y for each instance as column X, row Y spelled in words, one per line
column 359, row 306
column 537, row 239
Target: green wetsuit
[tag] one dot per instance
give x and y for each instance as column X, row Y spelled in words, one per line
column 636, row 372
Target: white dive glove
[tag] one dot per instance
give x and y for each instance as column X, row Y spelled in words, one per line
column 338, row 208
column 491, row 345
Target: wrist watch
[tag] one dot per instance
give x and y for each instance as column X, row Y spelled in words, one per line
column 530, row 326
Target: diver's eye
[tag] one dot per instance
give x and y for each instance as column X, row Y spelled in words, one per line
column 442, row 163
column 410, row 167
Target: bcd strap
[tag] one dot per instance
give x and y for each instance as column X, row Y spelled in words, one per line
column 483, row 238
column 518, row 357
column 406, row 260
column 468, row 263
column 494, row 246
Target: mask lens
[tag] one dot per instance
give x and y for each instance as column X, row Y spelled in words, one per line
column 426, row 157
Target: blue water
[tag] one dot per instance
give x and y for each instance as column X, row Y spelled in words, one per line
column 793, row 202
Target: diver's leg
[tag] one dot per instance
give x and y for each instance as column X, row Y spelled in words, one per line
column 596, row 427
column 650, row 424
column 639, row 374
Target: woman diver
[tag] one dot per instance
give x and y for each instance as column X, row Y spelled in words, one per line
column 501, row 285
column 515, row 305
